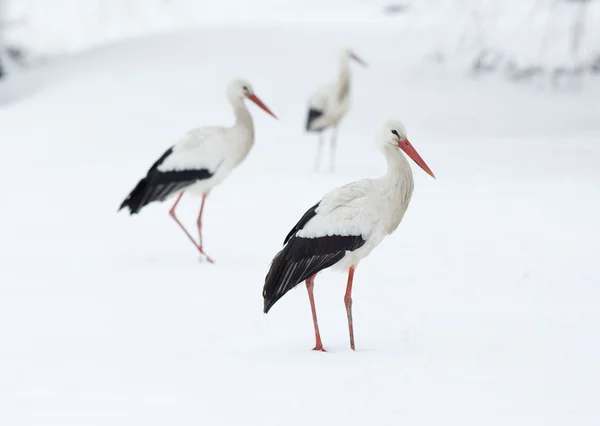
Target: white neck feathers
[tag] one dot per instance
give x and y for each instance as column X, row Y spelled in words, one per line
column 399, row 174
column 343, row 81
column 243, row 119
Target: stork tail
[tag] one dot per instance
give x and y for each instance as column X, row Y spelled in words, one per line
column 135, row 199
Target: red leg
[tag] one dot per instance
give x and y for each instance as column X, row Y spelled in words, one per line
column 348, row 303
column 310, row 283
column 172, row 214
column 199, row 222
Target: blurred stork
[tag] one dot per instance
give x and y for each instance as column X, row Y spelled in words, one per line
column 201, row 160
column 345, row 226
column 329, row 105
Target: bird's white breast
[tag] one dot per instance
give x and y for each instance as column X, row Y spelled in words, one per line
column 217, row 149
column 334, row 100
column 198, row 149
column 371, row 208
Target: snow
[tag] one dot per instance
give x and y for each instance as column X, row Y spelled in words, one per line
column 481, row 309
column 71, row 25
column 525, row 32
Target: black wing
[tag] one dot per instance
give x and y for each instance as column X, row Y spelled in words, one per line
column 302, row 257
column 313, row 114
column 158, row 185
column 303, row 221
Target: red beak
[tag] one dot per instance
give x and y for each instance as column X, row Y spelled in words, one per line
column 405, row 146
column 258, row 102
column 357, row 59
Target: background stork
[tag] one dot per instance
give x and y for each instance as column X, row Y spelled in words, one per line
column 345, row 226
column 201, row 160
column 329, row 105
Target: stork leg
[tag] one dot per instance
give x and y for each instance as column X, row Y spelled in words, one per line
column 319, row 151
column 310, row 283
column 199, row 222
column 348, row 303
column 172, row 214
column 333, row 146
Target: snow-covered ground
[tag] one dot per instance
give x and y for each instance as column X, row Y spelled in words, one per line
column 482, row 309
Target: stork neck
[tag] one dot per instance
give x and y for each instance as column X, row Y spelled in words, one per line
column 242, row 115
column 399, row 171
column 344, row 75
column 345, row 64
column 343, row 82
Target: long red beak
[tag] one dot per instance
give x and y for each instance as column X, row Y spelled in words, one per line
column 260, row 103
column 358, row 59
column 405, row 146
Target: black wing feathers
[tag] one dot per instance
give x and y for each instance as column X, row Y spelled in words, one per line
column 157, row 185
column 300, row 259
column 313, row 114
column 303, row 221
column 161, row 159
column 303, row 257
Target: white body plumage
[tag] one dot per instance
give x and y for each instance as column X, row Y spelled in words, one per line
column 201, row 159
column 329, row 105
column 216, row 149
column 371, row 208
column 345, row 226
column 333, row 99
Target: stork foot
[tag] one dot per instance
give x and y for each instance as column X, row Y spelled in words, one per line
column 205, row 257
column 319, row 348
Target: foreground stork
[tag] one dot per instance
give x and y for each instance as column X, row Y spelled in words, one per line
column 201, row 159
column 330, row 104
column 345, row 226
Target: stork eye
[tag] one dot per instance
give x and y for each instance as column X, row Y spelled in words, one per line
column 245, row 88
column 395, row 133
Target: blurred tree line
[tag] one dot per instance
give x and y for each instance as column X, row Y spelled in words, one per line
column 571, row 24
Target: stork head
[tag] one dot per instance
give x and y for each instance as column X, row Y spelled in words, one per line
column 393, row 133
column 349, row 54
column 239, row 89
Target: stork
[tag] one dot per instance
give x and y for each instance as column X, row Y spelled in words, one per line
column 329, row 105
column 201, row 160
column 345, row 226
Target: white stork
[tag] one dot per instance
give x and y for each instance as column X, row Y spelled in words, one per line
column 329, row 104
column 345, row 226
column 201, row 160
